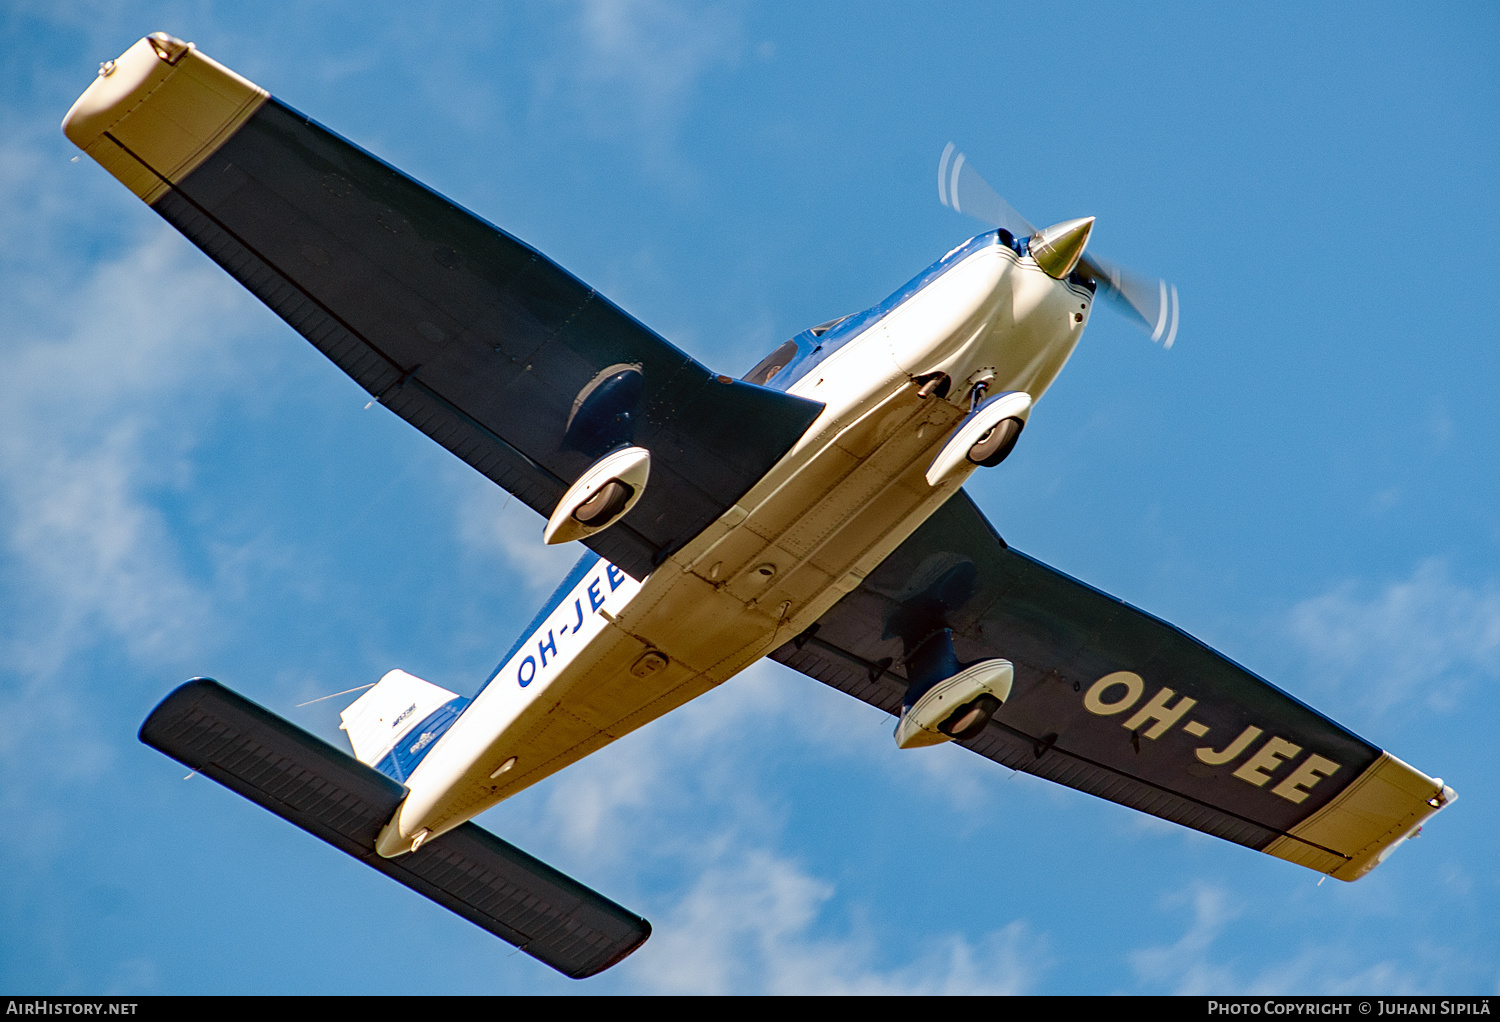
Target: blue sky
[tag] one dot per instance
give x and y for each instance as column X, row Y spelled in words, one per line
column 1307, row 481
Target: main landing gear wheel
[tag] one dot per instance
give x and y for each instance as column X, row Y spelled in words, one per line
column 606, row 502
column 996, row 445
column 968, row 720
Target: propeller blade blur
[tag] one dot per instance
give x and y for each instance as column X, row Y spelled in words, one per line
column 1150, row 302
column 961, row 189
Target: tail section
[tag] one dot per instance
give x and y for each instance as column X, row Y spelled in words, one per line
column 468, row 870
column 397, row 723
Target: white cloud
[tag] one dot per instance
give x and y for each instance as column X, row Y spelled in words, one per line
column 104, row 368
column 87, row 427
column 491, row 523
column 635, row 65
column 1424, row 638
column 1183, row 967
column 1313, row 971
column 1194, row 965
column 749, row 925
column 652, row 52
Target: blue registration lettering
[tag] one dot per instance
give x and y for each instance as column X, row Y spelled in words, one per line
column 527, row 672
column 595, row 599
column 542, row 647
column 616, row 576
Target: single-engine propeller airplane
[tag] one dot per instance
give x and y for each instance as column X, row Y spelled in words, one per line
column 811, row 512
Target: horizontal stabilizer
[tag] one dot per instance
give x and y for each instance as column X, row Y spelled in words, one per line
column 333, row 796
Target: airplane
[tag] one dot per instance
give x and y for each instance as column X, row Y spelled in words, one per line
column 812, row 512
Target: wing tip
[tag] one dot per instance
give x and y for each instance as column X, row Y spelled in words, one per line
column 1379, row 811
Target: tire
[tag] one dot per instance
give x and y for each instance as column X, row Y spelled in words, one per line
column 607, row 502
column 974, row 715
column 996, row 445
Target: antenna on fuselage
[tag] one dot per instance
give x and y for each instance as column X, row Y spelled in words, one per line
column 346, row 691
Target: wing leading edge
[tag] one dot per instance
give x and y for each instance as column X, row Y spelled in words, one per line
column 471, row 335
column 1117, row 703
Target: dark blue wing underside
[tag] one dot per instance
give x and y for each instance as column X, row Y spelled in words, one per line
column 469, row 334
column 1063, row 636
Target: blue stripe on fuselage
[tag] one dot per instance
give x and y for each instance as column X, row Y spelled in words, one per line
column 583, row 567
column 813, row 350
column 419, row 741
column 403, row 759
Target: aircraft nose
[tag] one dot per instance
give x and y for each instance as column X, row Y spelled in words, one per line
column 1058, row 248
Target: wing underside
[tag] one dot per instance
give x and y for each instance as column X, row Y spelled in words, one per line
column 1112, row 701
column 480, row 341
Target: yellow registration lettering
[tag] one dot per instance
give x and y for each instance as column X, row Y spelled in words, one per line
column 1308, row 773
column 1256, row 768
column 1093, row 699
column 1218, row 757
column 1158, row 710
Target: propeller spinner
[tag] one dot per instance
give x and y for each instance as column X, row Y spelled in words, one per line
column 1059, row 249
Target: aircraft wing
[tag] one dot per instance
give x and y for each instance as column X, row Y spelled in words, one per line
column 474, row 337
column 333, row 796
column 1117, row 703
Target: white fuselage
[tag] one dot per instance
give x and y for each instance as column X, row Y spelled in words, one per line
column 613, row 654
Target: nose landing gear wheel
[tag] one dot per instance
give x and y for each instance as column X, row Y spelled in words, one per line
column 996, row 445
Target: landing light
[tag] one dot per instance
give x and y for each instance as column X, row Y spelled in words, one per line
column 168, row 48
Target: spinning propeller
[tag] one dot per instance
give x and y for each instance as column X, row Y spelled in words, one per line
column 1059, row 249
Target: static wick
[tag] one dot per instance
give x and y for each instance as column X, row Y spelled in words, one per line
column 346, row 691
column 190, row 776
column 1320, row 881
column 367, row 403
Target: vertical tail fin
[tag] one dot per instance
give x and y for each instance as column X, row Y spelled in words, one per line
column 396, row 723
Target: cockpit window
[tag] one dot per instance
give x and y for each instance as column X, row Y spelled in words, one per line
column 823, row 328
column 772, row 364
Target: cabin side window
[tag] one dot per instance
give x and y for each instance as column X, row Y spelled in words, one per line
column 771, row 364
